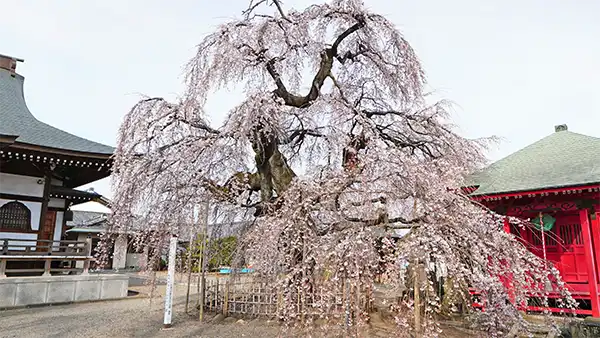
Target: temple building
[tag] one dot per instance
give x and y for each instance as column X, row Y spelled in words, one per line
column 555, row 183
column 40, row 166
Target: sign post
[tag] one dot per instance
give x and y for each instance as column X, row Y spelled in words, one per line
column 170, row 282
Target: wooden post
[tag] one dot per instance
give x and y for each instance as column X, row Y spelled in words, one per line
column 47, row 264
column 595, row 224
column 590, row 261
column 226, row 298
column 88, row 253
column 216, row 294
column 2, row 268
column 417, row 298
column 189, row 279
column 202, row 273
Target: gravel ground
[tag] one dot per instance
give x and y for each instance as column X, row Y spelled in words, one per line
column 135, row 317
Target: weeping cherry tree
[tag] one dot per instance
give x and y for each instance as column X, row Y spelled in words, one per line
column 333, row 146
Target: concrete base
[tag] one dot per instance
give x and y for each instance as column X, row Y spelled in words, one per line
column 22, row 291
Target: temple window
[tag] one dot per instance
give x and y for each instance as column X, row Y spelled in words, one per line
column 15, row 216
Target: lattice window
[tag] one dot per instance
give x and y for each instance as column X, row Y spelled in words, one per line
column 571, row 234
column 15, row 216
column 549, row 237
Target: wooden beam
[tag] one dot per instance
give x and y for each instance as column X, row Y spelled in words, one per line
column 590, row 261
column 542, row 192
column 15, row 197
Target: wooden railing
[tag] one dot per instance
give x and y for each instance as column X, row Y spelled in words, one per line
column 17, row 249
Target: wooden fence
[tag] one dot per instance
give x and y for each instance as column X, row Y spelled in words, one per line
column 47, row 251
column 254, row 297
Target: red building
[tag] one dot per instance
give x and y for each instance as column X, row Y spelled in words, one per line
column 557, row 180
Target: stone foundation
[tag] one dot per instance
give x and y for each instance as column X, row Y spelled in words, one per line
column 22, row 291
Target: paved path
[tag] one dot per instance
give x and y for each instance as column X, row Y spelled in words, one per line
column 135, row 317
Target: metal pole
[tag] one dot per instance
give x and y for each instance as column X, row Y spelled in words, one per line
column 170, row 282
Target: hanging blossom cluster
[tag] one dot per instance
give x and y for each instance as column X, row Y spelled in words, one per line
column 326, row 168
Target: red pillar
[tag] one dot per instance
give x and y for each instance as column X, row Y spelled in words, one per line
column 508, row 279
column 590, row 261
column 506, row 225
column 595, row 223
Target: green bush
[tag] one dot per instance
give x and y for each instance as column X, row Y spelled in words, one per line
column 219, row 252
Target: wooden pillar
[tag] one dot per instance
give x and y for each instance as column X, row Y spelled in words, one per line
column 595, row 224
column 47, row 266
column 508, row 281
column 506, row 225
column 88, row 253
column 590, row 261
column 45, row 200
column 2, row 268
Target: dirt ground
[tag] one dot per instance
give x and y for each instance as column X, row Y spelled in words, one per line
column 139, row 317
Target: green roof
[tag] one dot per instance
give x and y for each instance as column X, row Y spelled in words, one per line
column 561, row 159
column 17, row 120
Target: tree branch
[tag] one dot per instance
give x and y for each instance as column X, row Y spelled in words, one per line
column 327, row 57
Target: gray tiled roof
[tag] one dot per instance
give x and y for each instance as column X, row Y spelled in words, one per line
column 88, row 218
column 17, row 120
column 561, row 159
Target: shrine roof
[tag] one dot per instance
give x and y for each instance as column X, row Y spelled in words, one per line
column 17, row 120
column 562, row 159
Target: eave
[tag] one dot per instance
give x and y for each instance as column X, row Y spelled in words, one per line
column 566, row 190
column 74, row 168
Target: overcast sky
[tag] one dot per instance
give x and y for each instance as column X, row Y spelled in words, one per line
column 514, row 68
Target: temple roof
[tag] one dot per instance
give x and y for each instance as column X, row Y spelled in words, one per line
column 562, row 159
column 17, row 120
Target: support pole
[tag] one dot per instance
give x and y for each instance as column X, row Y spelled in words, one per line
column 590, row 261
column 170, row 282
column 203, row 261
column 202, row 279
column 189, row 267
column 417, row 298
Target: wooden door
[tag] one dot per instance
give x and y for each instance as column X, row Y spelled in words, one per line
column 572, row 259
column 47, row 230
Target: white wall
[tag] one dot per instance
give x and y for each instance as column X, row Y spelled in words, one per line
column 58, row 227
column 21, row 185
column 56, row 203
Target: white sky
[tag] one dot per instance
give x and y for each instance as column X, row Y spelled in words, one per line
column 514, row 68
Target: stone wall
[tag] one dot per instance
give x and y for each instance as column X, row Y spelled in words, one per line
column 21, row 291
